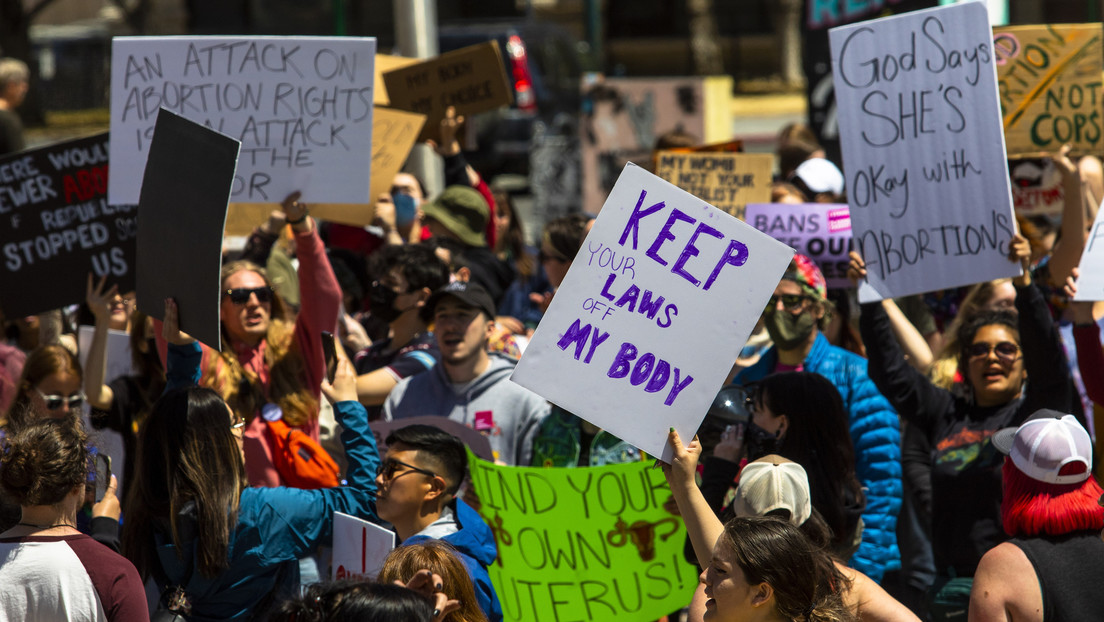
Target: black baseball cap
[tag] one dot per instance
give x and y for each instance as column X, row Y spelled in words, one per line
column 467, row 292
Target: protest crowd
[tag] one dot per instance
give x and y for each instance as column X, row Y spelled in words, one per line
column 867, row 456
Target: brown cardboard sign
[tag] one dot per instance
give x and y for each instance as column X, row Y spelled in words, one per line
column 393, row 136
column 473, row 79
column 385, row 63
column 1049, row 77
column 728, row 181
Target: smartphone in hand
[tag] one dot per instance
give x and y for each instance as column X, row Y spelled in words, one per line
column 103, row 475
column 329, row 350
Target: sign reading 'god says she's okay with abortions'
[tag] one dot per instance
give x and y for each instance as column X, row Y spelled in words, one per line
column 301, row 107
column 652, row 313
column 923, row 150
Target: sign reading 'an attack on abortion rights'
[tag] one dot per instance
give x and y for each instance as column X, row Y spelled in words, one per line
column 923, row 148
column 820, row 231
column 58, row 226
column 652, row 313
column 583, row 544
column 301, row 107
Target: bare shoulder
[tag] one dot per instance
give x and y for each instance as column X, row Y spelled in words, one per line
column 1005, row 587
column 870, row 602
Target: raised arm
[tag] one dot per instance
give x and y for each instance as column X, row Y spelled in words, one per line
column 913, row 344
column 319, row 293
column 702, row 525
column 95, row 368
column 1068, row 248
column 913, row 396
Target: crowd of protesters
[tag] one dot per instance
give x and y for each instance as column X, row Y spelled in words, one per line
column 926, row 458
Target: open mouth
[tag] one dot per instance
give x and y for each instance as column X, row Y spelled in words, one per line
column 451, row 340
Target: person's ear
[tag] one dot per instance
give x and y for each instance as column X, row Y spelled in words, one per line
column 437, row 488
column 423, row 296
column 783, row 426
column 463, row 274
column 763, row 595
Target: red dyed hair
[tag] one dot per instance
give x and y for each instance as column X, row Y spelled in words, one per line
column 1032, row 508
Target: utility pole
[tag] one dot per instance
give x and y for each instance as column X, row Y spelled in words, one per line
column 416, row 37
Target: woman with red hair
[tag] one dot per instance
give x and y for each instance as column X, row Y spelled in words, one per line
column 1052, row 567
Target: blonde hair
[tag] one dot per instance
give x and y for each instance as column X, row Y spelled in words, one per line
column 287, row 388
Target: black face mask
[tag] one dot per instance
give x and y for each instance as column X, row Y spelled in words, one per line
column 760, row 442
column 382, row 301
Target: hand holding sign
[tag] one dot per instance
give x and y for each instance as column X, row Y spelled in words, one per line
column 99, row 301
column 450, row 125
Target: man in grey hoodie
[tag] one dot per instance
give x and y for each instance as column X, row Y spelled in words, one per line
column 470, row 385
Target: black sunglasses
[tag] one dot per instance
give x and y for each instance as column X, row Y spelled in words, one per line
column 790, row 302
column 388, row 467
column 1006, row 351
column 240, row 295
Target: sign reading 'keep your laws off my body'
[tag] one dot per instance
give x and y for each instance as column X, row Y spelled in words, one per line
column 301, row 107
column 652, row 313
column 923, row 150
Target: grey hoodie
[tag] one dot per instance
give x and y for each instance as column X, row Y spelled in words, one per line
column 507, row 413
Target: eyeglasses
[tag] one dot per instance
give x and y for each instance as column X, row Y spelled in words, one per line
column 790, row 302
column 240, row 295
column 388, row 467
column 55, row 402
column 1006, row 351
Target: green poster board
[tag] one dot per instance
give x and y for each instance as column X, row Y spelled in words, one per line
column 584, row 544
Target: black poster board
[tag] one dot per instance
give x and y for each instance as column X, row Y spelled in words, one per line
column 182, row 211
column 56, row 226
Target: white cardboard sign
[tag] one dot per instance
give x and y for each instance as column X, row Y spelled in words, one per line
column 652, row 313
column 106, row 440
column 923, row 150
column 1090, row 284
column 301, row 107
column 359, row 548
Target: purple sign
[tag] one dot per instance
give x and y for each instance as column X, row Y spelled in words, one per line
column 820, row 231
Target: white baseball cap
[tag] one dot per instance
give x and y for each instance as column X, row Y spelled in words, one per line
column 1050, row 447
column 774, row 483
column 820, row 175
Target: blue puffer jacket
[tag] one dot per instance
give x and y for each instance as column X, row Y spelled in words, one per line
column 476, row 545
column 876, row 434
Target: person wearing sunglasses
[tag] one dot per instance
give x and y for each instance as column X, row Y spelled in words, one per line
column 271, row 360
column 417, row 480
column 50, row 388
column 1013, row 364
column 795, row 318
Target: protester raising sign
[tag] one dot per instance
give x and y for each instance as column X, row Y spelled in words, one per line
column 728, row 181
column 1050, row 78
column 583, row 544
column 182, row 212
column 301, row 107
column 820, row 231
column 920, row 126
column 645, row 326
column 471, row 79
column 58, row 226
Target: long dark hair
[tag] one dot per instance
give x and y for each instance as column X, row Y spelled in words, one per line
column 807, row 585
column 819, row 439
column 354, row 601
column 186, row 454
